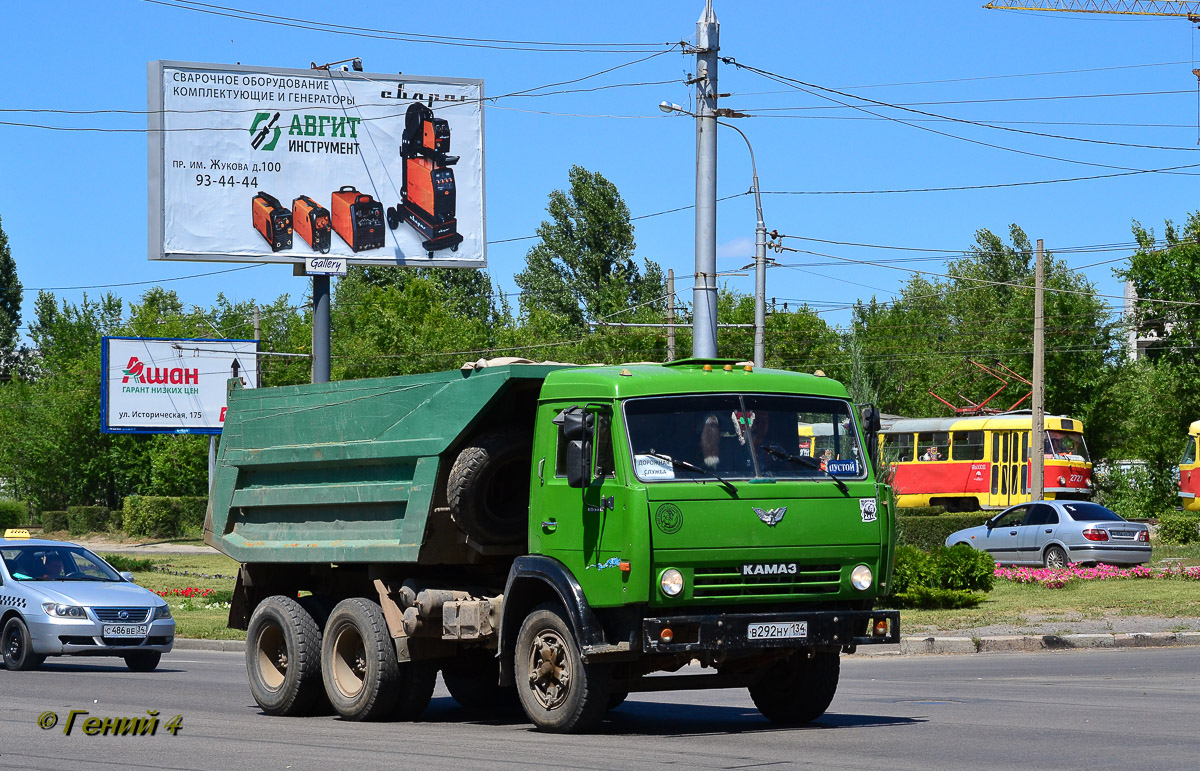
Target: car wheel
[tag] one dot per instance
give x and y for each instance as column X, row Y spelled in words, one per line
column 283, row 657
column 799, row 689
column 18, row 647
column 1055, row 557
column 142, row 661
column 358, row 661
column 558, row 691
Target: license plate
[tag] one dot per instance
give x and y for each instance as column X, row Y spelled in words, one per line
column 784, row 631
column 126, row 630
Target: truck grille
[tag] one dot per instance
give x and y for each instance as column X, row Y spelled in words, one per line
column 720, row 582
column 113, row 615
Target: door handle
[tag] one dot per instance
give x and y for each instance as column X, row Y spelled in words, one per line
column 549, row 525
column 1049, row 530
column 541, row 465
column 1012, row 532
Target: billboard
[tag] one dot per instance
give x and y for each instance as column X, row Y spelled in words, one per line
column 157, row 386
column 251, row 164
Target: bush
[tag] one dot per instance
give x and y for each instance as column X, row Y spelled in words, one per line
column 13, row 514
column 963, row 567
column 913, row 568
column 1178, row 527
column 54, row 521
column 927, row 533
column 929, row 598
column 86, row 519
column 162, row 517
column 124, row 564
column 921, row 511
column 943, row 578
column 1132, row 490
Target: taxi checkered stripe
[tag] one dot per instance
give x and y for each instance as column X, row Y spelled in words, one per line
column 12, row 602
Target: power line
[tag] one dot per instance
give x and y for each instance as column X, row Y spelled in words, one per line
column 992, row 100
column 139, row 283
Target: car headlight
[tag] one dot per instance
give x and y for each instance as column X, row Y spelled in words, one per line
column 162, row 611
column 861, row 577
column 671, row 582
column 63, row 611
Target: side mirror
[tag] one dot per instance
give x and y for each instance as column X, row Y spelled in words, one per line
column 127, row 576
column 990, row 524
column 577, row 426
column 871, row 425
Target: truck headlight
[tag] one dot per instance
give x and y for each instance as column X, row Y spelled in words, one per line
column 162, row 611
column 671, row 582
column 861, row 577
column 63, row 611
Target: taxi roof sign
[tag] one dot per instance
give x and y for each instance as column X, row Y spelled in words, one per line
column 16, row 532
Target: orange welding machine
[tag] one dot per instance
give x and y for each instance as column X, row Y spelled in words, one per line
column 272, row 221
column 427, row 194
column 357, row 218
column 312, row 223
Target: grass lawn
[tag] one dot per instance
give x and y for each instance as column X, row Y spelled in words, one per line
column 192, row 617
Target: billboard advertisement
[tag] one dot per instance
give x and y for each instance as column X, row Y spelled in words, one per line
column 251, row 164
column 157, row 386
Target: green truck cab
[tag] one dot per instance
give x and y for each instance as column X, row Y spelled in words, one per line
column 551, row 536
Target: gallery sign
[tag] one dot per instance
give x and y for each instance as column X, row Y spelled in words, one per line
column 251, row 164
column 156, row 386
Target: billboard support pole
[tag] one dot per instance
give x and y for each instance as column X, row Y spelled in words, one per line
column 320, row 347
column 212, row 460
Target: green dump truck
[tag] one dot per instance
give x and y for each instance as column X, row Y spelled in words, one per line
column 552, row 536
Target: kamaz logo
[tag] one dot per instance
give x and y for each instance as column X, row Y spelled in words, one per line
column 780, row 569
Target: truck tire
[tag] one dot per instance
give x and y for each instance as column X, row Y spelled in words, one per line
column 414, row 689
column 473, row 679
column 358, row 661
column 488, row 488
column 283, row 657
column 558, row 691
column 799, row 689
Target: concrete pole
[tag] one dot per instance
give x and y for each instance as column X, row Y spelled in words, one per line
column 212, row 459
column 258, row 362
column 320, row 371
column 704, row 292
column 1038, row 439
column 670, row 315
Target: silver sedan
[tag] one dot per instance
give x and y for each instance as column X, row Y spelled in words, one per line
column 1058, row 533
column 59, row 599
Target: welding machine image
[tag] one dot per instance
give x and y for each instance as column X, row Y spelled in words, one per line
column 357, row 218
column 427, row 195
column 311, row 222
column 272, row 221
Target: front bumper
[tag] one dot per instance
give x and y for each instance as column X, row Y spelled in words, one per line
column 70, row 636
column 729, row 631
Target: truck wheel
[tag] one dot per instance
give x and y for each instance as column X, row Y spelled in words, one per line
column 358, row 661
column 799, row 689
column 488, row 488
column 558, row 691
column 18, row 647
column 142, row 661
column 414, row 689
column 473, row 679
column 283, row 657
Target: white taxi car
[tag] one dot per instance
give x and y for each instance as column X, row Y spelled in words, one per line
column 59, row 599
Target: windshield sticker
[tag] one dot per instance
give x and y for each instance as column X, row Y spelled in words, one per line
column 866, row 507
column 650, row 467
column 843, row 467
column 668, row 518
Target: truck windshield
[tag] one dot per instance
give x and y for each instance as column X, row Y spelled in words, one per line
column 743, row 436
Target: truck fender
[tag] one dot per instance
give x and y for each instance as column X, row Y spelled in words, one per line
column 533, row 580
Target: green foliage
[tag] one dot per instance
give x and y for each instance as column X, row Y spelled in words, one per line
column 963, row 567
column 125, row 564
column 13, row 514
column 10, row 305
column 931, row 532
column 87, row 519
column 54, row 521
column 1133, row 492
column 930, row 598
column 913, row 568
column 158, row 516
column 1178, row 527
column 954, row 577
column 922, row 511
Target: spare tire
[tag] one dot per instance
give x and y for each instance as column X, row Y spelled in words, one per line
column 488, row 489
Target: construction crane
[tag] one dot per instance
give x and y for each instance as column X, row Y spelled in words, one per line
column 1189, row 11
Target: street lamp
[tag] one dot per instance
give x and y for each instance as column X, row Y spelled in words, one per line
column 760, row 235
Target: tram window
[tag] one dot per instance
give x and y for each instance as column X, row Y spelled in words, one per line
column 934, row 445
column 1189, row 452
column 897, row 448
column 968, row 445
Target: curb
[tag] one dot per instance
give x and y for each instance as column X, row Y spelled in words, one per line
column 924, row 646
column 191, row 644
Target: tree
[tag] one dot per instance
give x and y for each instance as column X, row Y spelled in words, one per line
column 583, row 269
column 1167, row 282
column 10, row 306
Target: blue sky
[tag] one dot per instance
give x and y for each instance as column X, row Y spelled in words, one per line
column 73, row 203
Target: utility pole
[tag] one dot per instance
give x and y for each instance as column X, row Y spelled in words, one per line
column 257, row 338
column 704, row 292
column 1036, row 452
column 670, row 315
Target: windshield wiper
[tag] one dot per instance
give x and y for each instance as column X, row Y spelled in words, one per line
column 805, row 460
column 676, row 463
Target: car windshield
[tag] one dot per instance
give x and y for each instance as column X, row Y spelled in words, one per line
column 742, row 436
column 1090, row 512
column 32, row 562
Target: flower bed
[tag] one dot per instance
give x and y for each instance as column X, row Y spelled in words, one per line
column 188, row 593
column 1057, row 578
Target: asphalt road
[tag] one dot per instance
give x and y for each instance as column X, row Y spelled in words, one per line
column 1074, row 709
